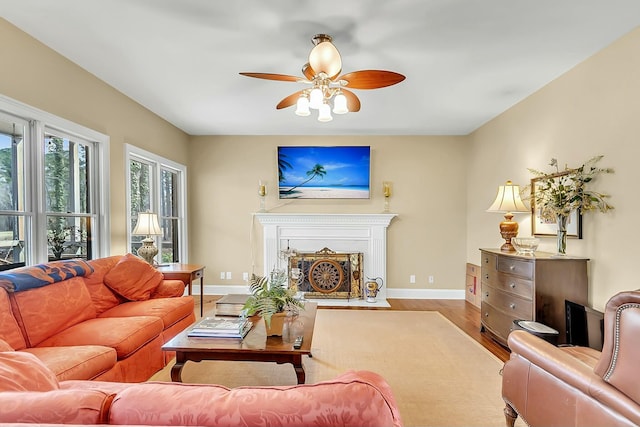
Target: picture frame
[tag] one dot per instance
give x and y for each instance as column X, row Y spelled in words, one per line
column 542, row 227
column 324, row 172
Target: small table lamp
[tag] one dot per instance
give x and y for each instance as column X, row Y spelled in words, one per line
column 147, row 226
column 508, row 201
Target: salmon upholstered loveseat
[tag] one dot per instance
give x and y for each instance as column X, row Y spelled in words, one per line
column 30, row 393
column 103, row 319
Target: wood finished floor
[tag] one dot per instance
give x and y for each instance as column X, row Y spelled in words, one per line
column 464, row 315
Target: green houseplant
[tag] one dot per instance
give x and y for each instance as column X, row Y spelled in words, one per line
column 270, row 295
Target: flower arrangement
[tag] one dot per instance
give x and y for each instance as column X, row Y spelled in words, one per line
column 561, row 193
column 271, row 295
column 558, row 194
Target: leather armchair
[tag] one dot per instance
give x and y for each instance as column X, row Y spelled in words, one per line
column 578, row 386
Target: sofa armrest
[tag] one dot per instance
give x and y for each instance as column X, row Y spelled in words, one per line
column 83, row 407
column 169, row 289
column 552, row 359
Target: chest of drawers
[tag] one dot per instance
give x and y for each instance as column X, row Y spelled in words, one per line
column 531, row 287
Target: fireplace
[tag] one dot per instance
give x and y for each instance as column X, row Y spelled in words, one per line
column 327, row 274
column 343, row 233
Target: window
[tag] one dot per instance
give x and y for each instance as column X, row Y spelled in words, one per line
column 158, row 185
column 53, row 187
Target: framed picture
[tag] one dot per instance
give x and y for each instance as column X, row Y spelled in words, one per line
column 543, row 227
column 324, row 172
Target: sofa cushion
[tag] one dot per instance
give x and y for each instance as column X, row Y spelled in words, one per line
column 45, row 311
column 133, row 278
column 354, row 398
column 76, row 362
column 9, row 329
column 36, row 276
column 4, row 346
column 25, row 372
column 103, row 297
column 170, row 310
column 124, row 334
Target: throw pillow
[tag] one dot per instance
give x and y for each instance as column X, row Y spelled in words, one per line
column 24, row 372
column 133, row 278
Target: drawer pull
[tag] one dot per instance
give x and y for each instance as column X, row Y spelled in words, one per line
column 486, row 294
column 486, row 260
column 512, row 285
column 512, row 267
column 486, row 315
column 486, row 276
column 512, row 306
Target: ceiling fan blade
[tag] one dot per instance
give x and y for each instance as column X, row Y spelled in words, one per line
column 353, row 103
column 289, row 100
column 371, row 79
column 269, row 76
column 308, row 71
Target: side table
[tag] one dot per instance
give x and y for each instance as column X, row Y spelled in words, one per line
column 187, row 273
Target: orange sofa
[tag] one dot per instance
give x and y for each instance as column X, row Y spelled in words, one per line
column 31, row 393
column 104, row 319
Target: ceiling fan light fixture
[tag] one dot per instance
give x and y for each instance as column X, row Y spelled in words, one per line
column 324, row 115
column 302, row 106
column 315, row 98
column 340, row 104
column 325, row 58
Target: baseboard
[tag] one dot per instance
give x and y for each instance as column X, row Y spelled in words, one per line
column 391, row 292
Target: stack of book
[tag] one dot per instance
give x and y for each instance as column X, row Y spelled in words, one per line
column 215, row 327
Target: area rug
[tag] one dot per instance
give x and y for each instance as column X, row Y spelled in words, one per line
column 438, row 374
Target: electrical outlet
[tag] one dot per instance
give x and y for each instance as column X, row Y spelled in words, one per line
column 412, row 278
column 222, row 275
column 228, row 275
column 245, row 276
column 431, row 279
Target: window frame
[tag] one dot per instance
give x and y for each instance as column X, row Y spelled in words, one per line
column 159, row 163
column 35, row 203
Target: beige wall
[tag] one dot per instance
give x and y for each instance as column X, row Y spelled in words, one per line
column 39, row 77
column 591, row 110
column 428, row 175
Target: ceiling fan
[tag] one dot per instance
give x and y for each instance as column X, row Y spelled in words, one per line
column 322, row 75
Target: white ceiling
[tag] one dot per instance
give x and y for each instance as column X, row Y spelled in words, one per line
column 466, row 61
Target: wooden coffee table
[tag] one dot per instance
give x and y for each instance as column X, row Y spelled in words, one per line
column 255, row 347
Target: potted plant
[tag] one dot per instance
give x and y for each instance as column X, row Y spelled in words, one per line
column 560, row 193
column 271, row 298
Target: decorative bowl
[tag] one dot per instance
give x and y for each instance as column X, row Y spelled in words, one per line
column 525, row 245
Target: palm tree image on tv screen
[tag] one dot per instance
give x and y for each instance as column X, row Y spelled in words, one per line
column 324, row 172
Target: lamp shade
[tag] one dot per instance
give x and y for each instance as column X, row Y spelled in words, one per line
column 508, row 199
column 325, row 58
column 147, row 225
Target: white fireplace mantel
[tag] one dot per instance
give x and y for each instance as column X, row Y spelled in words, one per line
column 311, row 232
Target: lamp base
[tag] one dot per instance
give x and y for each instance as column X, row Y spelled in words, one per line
column 508, row 230
column 148, row 251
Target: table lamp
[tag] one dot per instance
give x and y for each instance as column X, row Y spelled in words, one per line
column 147, row 226
column 508, row 201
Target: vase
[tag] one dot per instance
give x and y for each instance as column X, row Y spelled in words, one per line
column 277, row 322
column 562, row 234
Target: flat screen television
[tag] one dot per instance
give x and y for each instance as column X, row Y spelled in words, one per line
column 319, row 172
column 585, row 326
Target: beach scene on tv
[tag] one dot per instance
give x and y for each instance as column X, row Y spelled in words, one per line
column 324, row 172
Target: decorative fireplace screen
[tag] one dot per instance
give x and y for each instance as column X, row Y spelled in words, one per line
column 327, row 274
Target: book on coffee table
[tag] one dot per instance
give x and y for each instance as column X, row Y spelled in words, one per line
column 231, row 304
column 221, row 327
